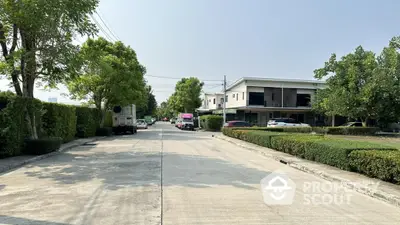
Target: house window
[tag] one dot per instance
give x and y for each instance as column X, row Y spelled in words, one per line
column 256, row 98
column 233, row 96
column 222, row 100
column 226, row 98
column 214, row 101
column 237, row 97
column 242, row 95
column 273, row 97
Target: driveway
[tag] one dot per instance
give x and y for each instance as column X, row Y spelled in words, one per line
column 166, row 176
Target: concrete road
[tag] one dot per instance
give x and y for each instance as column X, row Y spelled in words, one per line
column 167, row 176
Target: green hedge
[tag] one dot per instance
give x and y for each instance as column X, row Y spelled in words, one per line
column 212, row 122
column 384, row 165
column 108, row 121
column 334, row 152
column 42, row 146
column 294, row 144
column 319, row 130
column 59, row 121
column 52, row 120
column 13, row 130
column 88, row 120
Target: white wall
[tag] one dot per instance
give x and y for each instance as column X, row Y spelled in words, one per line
column 208, row 101
column 241, row 91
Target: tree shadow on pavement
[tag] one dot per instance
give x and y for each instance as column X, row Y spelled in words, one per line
column 134, row 169
column 17, row 220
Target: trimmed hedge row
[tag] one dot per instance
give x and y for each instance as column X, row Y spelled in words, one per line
column 318, row 130
column 88, row 120
column 384, row 165
column 211, row 122
column 59, row 121
column 42, row 146
column 330, row 151
column 52, row 120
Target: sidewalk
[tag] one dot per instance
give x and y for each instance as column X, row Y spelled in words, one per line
column 385, row 191
column 17, row 161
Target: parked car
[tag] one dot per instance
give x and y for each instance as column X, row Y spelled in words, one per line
column 178, row 123
column 237, row 123
column 286, row 122
column 141, row 124
column 172, row 120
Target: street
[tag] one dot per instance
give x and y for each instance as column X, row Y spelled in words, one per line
column 167, row 176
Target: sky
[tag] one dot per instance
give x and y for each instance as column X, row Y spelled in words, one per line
column 241, row 38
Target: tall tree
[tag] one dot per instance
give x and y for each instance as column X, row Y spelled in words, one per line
column 348, row 82
column 109, row 75
column 384, row 89
column 36, row 42
column 187, row 94
column 151, row 101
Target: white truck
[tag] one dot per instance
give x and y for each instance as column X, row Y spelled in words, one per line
column 124, row 119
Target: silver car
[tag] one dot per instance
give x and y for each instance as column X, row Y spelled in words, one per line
column 141, row 124
column 286, row 122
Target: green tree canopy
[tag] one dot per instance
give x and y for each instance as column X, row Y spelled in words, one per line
column 187, row 95
column 109, row 75
column 36, row 42
column 361, row 85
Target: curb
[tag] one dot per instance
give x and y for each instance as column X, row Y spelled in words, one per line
column 381, row 195
column 40, row 157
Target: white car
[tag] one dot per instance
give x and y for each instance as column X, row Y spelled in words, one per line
column 141, row 124
column 285, row 122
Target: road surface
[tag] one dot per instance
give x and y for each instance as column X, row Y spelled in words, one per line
column 166, row 176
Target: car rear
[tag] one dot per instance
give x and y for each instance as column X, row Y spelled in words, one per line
column 237, row 124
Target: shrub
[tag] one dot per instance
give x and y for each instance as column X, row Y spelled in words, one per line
column 212, row 122
column 319, row 130
column 351, row 130
column 42, row 146
column 88, row 120
column 59, row 121
column 293, row 144
column 253, row 136
column 108, row 120
column 318, row 148
column 384, row 165
column 334, row 152
column 104, row 131
column 13, row 130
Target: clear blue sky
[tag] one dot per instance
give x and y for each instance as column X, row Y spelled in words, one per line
column 262, row 38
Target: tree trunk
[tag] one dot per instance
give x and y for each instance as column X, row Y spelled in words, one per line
column 364, row 121
column 333, row 120
column 28, row 73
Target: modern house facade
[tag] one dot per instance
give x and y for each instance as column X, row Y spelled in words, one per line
column 257, row 100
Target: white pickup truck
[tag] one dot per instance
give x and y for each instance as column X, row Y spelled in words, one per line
column 124, row 119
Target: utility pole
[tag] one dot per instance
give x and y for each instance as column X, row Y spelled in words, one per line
column 224, row 105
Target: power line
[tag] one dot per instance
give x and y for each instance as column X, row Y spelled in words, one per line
column 105, row 24
column 108, row 37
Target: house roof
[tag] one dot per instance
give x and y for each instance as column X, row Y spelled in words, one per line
column 273, row 79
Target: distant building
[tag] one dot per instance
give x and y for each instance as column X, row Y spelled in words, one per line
column 257, row 100
column 54, row 100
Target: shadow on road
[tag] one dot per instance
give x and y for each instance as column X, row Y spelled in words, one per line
column 133, row 169
column 17, row 220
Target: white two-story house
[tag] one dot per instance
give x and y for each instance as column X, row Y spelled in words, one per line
column 212, row 101
column 257, row 100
